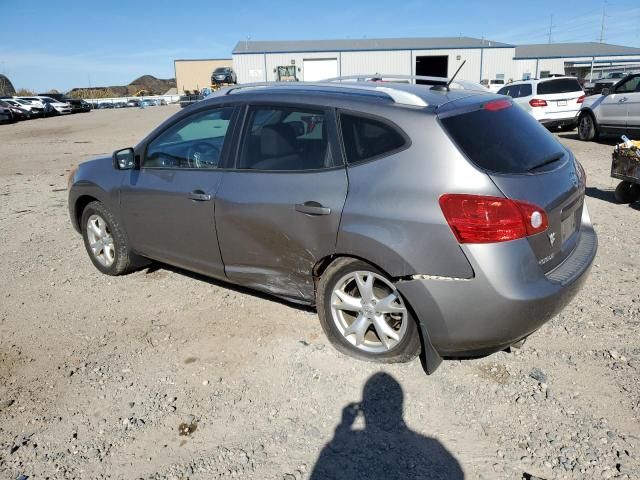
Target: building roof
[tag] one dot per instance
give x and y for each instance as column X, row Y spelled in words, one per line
column 363, row 44
column 581, row 49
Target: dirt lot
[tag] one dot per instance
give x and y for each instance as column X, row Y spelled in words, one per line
column 161, row 374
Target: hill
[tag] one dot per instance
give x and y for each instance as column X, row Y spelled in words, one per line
column 155, row 86
column 6, row 87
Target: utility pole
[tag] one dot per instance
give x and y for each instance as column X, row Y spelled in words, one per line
column 550, row 28
column 604, row 15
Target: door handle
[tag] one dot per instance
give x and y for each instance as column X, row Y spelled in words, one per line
column 199, row 196
column 312, row 208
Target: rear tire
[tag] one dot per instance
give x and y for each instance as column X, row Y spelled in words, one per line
column 105, row 240
column 627, row 192
column 587, row 129
column 351, row 293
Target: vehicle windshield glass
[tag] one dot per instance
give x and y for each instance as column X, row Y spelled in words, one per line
column 221, row 70
column 561, row 85
column 503, row 140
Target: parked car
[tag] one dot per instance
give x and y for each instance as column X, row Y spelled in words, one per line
column 554, row 102
column 133, row 102
column 401, row 212
column 5, row 115
column 493, row 85
column 33, row 110
column 223, row 75
column 60, row 97
column 608, row 81
column 78, row 105
column 55, row 107
column 187, row 100
column 17, row 112
column 615, row 110
column 35, row 102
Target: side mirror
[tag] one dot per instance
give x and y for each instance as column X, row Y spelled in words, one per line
column 124, row 159
column 605, row 91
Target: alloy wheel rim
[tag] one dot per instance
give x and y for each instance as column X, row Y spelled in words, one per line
column 585, row 126
column 369, row 312
column 100, row 240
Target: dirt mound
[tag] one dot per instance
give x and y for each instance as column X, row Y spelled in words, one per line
column 6, row 87
column 153, row 85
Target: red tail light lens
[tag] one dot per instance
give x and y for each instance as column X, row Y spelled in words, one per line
column 496, row 105
column 484, row 219
column 581, row 99
column 537, row 102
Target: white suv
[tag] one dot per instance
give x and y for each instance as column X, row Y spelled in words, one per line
column 554, row 102
column 615, row 110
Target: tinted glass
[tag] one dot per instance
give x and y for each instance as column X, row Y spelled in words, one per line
column 366, row 138
column 193, row 143
column 281, row 138
column 631, row 85
column 561, row 85
column 525, row 90
column 503, row 141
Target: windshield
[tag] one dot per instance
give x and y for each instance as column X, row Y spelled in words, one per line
column 221, row 70
column 502, row 139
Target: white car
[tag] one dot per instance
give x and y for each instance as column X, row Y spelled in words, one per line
column 615, row 110
column 554, row 101
column 35, row 101
column 493, row 85
column 60, row 108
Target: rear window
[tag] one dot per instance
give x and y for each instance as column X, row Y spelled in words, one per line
column 561, row 85
column 507, row 140
column 366, row 138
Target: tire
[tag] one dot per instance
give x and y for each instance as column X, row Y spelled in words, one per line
column 368, row 344
column 116, row 258
column 587, row 128
column 627, row 192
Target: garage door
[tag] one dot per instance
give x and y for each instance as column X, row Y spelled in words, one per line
column 319, row 69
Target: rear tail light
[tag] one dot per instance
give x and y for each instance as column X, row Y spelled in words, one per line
column 485, row 219
column 581, row 99
column 496, row 105
column 537, row 102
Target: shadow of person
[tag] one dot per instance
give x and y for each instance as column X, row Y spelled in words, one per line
column 386, row 448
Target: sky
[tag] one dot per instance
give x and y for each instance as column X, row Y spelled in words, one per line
column 61, row 44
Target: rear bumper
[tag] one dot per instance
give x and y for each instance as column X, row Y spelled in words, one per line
column 509, row 298
column 564, row 122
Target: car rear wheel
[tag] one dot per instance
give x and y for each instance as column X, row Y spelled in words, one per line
column 587, row 130
column 105, row 241
column 363, row 314
column 627, row 192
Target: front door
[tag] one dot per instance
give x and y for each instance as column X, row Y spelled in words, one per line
column 279, row 211
column 168, row 205
column 615, row 106
column 631, row 95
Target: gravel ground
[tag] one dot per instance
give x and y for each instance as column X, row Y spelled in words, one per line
column 163, row 374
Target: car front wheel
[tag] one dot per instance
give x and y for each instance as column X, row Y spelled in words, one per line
column 363, row 314
column 587, row 130
column 105, row 240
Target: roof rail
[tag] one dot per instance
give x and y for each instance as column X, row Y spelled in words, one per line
column 396, row 95
column 379, row 77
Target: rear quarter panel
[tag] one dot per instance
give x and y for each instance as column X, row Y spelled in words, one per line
column 392, row 217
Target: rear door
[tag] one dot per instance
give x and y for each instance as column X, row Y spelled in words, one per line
column 168, row 204
column 278, row 211
column 526, row 163
column 561, row 95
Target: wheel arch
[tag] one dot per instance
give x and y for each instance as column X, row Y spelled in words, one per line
column 78, row 207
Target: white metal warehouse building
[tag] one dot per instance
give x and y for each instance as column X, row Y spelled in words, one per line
column 312, row 60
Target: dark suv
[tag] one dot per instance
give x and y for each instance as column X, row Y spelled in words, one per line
column 223, row 75
column 411, row 217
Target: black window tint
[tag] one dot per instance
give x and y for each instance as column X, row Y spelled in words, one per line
column 508, row 140
column 192, row 143
column 283, row 138
column 525, row 90
column 365, row 138
column 504, row 91
column 561, row 85
column 631, row 85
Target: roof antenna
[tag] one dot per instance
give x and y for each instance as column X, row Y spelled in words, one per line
column 445, row 88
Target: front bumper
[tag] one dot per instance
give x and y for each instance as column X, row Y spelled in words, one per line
column 509, row 298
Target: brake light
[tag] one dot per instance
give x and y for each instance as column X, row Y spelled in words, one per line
column 496, row 105
column 581, row 99
column 537, row 102
column 485, row 219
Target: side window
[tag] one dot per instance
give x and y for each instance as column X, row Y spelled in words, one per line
column 631, row 85
column 525, row 90
column 504, row 91
column 195, row 142
column 366, row 138
column 285, row 138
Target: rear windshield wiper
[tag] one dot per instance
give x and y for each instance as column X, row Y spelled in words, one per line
column 554, row 157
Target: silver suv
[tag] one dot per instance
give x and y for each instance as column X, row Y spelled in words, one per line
column 411, row 217
column 615, row 110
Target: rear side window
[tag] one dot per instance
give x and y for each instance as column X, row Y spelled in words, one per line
column 366, row 138
column 502, row 140
column 561, row 85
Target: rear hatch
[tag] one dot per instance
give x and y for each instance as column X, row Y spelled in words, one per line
column 561, row 95
column 526, row 163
